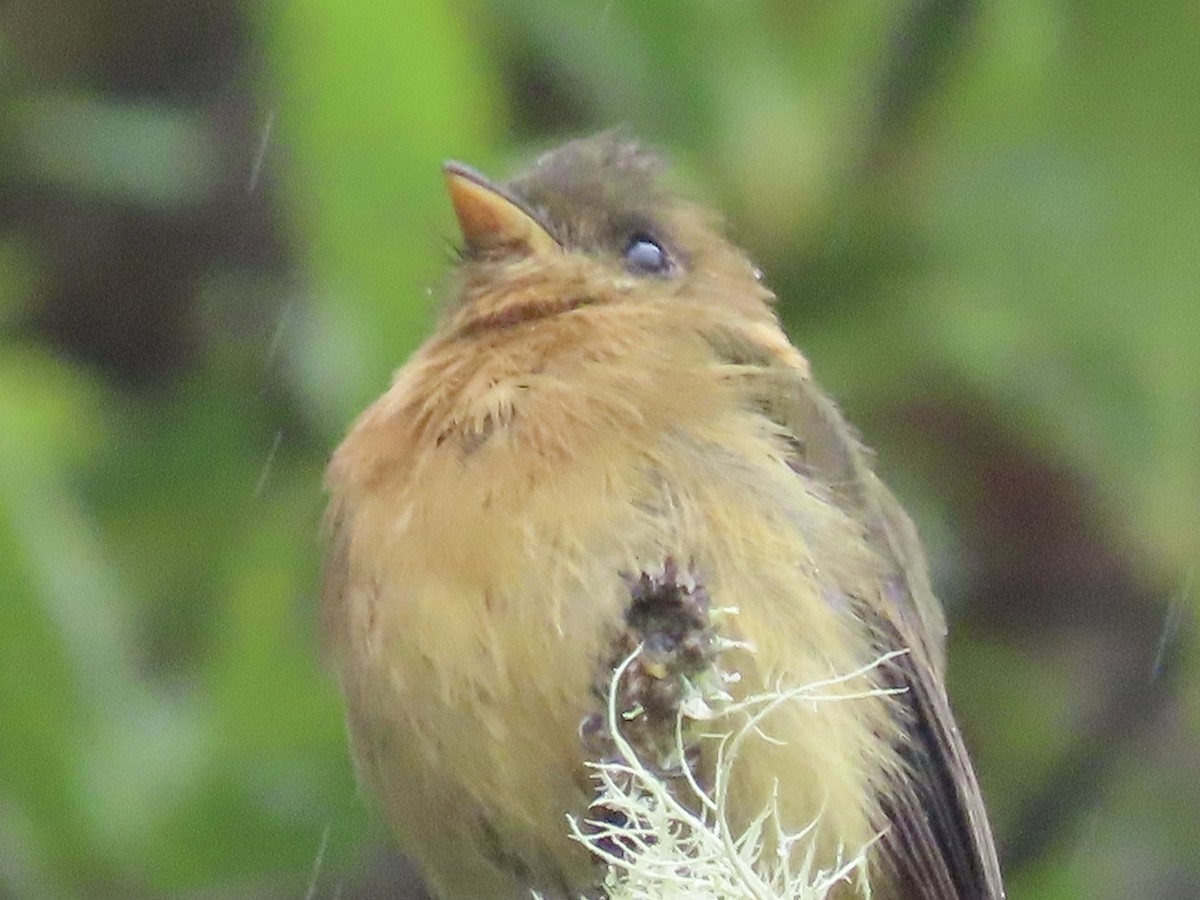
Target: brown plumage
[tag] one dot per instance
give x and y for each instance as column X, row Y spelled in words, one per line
column 609, row 443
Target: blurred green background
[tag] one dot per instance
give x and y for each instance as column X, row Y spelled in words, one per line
column 222, row 226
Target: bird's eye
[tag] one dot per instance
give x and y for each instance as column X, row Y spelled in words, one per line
column 645, row 256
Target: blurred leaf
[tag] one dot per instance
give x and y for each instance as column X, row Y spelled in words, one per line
column 19, row 276
column 65, row 651
column 1071, row 289
column 158, row 156
column 368, row 100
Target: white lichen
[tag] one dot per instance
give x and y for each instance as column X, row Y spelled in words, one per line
column 660, row 846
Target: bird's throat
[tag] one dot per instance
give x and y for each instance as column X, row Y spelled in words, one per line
column 520, row 310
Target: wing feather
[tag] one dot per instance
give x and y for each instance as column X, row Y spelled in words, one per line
column 938, row 843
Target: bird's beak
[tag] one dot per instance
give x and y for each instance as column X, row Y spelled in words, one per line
column 491, row 219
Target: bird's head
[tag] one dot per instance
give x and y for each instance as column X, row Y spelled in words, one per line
column 589, row 223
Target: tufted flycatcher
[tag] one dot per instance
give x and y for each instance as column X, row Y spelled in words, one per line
column 609, row 451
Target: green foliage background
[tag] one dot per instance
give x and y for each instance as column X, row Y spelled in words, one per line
column 222, row 226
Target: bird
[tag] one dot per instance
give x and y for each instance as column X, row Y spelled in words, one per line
column 608, row 452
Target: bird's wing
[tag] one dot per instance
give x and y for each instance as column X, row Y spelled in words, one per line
column 939, row 844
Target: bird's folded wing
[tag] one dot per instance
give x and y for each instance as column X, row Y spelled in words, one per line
column 938, row 844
